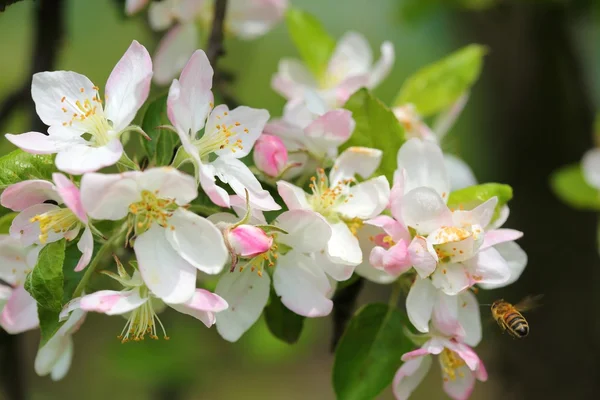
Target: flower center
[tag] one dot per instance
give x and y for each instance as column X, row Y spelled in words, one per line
column 151, row 209
column 450, row 363
column 142, row 321
column 261, row 261
column 325, row 199
column 88, row 115
column 222, row 137
column 60, row 220
column 382, row 240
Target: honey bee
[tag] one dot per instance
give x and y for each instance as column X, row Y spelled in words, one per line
column 509, row 316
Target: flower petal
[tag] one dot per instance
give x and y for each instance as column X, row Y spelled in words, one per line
column 173, row 52
column 108, row 196
column 409, row 376
column 451, row 278
column 366, row 237
column 302, row 285
column 128, row 86
column 424, row 210
column 291, row 79
column 25, row 194
column 164, row 271
column 169, row 183
column 383, row 66
column 197, row 241
column 419, row 303
column 86, row 246
column 459, row 172
column 355, row 160
column 591, row 167
column 391, row 227
column 218, row 195
column 422, row 256
column 367, row 199
column 293, row 196
column 37, row 143
column 248, row 240
column 13, row 261
column 134, row 6
column 480, row 215
column 20, row 312
column 352, row 56
column 306, row 230
column 203, row 305
column 497, row 236
column 338, row 271
column 516, row 259
column 343, row 246
column 488, row 267
column 250, row 19
column 329, row 131
column 247, row 295
column 462, row 386
column 29, row 232
column 79, row 159
column 469, row 317
column 424, row 164
column 111, row 302
column 54, row 357
column 70, row 195
column 445, row 316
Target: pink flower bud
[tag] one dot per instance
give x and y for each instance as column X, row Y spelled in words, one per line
column 270, row 155
column 249, row 241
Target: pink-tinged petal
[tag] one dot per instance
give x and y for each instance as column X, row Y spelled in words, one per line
column 591, row 167
column 169, row 276
column 86, row 246
column 108, row 196
column 481, row 373
column 292, row 78
column 416, row 354
column 174, row 51
column 270, row 155
column 516, row 259
column 36, row 143
column 346, row 88
column 216, row 194
column 480, row 215
column 337, row 271
column 329, row 131
column 392, row 227
column 25, row 194
column 197, row 240
column 500, row 219
column 79, row 159
column 445, row 120
column 343, row 246
column 19, row 313
column 366, row 236
column 466, row 353
column 161, row 14
column 307, row 231
column 128, row 86
column 422, row 256
column 293, row 196
column 469, row 317
column 363, row 161
column 419, row 303
column 395, row 260
column 134, row 6
column 454, row 244
column 189, row 98
column 424, row 210
column 53, row 91
column 247, row 295
column 451, row 278
column 459, row 173
column 168, row 183
column 239, row 177
column 70, row 195
column 249, row 241
column 462, row 386
column 203, row 305
column 302, row 285
column 28, row 232
column 383, row 66
column 54, row 357
column 409, row 376
column 367, row 199
column 445, row 316
column 488, row 267
column 423, row 163
column 396, row 196
column 352, row 56
column 111, row 302
column 497, row 236
column 250, row 19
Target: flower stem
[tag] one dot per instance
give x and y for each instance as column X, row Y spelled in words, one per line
column 396, row 290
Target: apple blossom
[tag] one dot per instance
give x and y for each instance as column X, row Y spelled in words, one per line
column 270, row 155
column 171, row 243
column 590, row 165
column 40, row 222
column 70, row 104
column 228, row 135
column 349, row 68
column 460, row 367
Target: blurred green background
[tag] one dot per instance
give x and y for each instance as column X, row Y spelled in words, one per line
column 530, row 113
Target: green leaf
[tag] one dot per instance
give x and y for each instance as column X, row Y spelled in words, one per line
column 368, row 354
column 313, row 42
column 283, row 323
column 72, row 278
column 18, row 166
column 569, row 184
column 6, row 221
column 438, row 85
column 472, row 196
column 160, row 149
column 377, row 127
column 45, row 284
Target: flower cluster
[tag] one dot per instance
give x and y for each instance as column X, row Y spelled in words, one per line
column 310, row 212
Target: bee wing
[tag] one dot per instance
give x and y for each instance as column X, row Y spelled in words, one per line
column 529, row 303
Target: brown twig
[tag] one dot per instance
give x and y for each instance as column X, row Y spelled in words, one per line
column 215, row 41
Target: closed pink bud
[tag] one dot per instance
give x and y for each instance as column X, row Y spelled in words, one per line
column 270, row 155
column 249, row 241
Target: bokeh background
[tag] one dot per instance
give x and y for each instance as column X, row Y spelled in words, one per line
column 530, row 113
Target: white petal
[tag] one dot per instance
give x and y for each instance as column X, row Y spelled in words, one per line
column 111, row 302
column 38, row 143
column 343, row 246
column 327, row 132
column 352, row 56
column 365, row 269
column 204, row 306
column 355, row 160
column 250, row 19
column 302, row 285
column 451, row 278
column 29, row 232
column 419, row 303
column 174, row 51
column 216, row 194
column 79, row 159
column 247, row 295
column 591, row 167
column 306, row 230
column 86, row 246
column 62, row 365
column 410, row 375
column 338, row 271
column 128, row 86
column 488, row 267
column 423, row 256
column 134, row 6
column 293, row 196
column 108, row 196
column 166, row 273
column 424, row 164
column 291, row 79
column 424, row 210
column 368, row 199
column 20, row 312
column 198, row 241
column 51, row 354
column 22, row 195
column 459, row 173
column 445, row 316
column 480, row 215
column 516, row 258
column 383, row 66
column 461, row 387
column 469, row 317
column 168, row 183
column 13, row 261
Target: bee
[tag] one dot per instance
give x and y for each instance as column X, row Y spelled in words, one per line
column 509, row 316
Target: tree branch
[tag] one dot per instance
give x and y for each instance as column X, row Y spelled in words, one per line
column 215, row 41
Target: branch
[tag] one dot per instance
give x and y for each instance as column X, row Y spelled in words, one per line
column 215, row 41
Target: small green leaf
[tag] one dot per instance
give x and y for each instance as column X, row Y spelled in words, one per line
column 160, row 149
column 45, row 284
column 569, row 184
column 283, row 323
column 368, row 354
column 377, row 127
column 72, row 278
column 313, row 42
column 6, row 221
column 18, row 166
column 472, row 196
column 438, row 85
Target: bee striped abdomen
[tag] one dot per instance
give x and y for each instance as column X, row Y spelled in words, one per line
column 516, row 325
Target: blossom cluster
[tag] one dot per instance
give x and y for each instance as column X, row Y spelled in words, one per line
column 308, row 213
